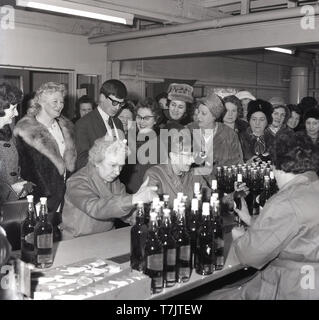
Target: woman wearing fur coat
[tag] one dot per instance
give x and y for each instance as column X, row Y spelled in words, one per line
column 45, row 141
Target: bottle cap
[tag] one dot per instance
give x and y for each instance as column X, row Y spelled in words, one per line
column 205, row 209
column 30, row 198
column 271, row 175
column 167, row 212
column 161, row 203
column 215, row 196
column 196, row 187
column 180, row 196
column 195, row 204
column 140, row 204
column 239, row 177
column 214, row 184
column 156, row 202
column 184, row 199
column 166, row 197
column 43, row 200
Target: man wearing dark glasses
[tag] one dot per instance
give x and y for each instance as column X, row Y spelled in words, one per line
column 101, row 121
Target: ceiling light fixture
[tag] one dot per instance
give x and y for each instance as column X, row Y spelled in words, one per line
column 80, row 10
column 282, row 50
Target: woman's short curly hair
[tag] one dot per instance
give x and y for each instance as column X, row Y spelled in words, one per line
column 49, row 87
column 98, row 151
column 9, row 95
column 234, row 100
column 294, row 152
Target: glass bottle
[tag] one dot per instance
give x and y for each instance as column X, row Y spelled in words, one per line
column 218, row 229
column 43, row 238
column 266, row 194
column 183, row 245
column 154, row 257
column 138, row 240
column 192, row 228
column 27, row 233
column 169, row 247
column 205, row 255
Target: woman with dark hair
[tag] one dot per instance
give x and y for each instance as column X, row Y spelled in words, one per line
column 144, row 144
column 179, row 102
column 280, row 115
column 161, row 99
column 126, row 115
column 282, row 242
column 311, row 120
column 84, row 105
column 46, row 148
column 255, row 141
column 295, row 116
column 231, row 117
column 10, row 97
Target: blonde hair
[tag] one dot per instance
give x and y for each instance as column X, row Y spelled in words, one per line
column 49, row 87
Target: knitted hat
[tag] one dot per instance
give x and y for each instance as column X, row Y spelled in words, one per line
column 180, row 92
column 214, row 103
column 260, row 106
column 244, row 95
column 312, row 113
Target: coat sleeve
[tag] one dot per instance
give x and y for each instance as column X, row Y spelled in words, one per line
column 235, row 151
column 268, row 235
column 82, row 144
column 111, row 205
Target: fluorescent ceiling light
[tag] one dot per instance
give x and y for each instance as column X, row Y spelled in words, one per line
column 80, row 10
column 282, row 50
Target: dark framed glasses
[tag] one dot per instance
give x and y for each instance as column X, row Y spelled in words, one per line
column 117, row 103
column 146, row 118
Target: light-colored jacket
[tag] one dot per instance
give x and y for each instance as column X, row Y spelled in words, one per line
column 286, row 237
column 91, row 205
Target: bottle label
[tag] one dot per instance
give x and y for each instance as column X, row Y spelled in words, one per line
column 155, row 262
column 170, row 276
column 45, row 241
column 157, row 282
column 185, row 253
column 184, row 272
column 44, row 258
column 29, row 238
column 171, row 257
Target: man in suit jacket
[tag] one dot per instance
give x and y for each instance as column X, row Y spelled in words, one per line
column 100, row 121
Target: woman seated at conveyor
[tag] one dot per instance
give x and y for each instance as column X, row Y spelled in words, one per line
column 95, row 196
column 283, row 241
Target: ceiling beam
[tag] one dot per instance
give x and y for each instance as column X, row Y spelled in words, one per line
column 228, row 39
column 165, row 11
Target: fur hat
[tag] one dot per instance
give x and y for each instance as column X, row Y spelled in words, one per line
column 180, row 92
column 260, row 106
column 214, row 103
column 244, row 95
column 312, row 113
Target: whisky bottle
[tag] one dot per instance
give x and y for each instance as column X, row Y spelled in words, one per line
column 138, row 240
column 183, row 245
column 205, row 255
column 218, row 229
column 154, row 257
column 43, row 238
column 27, row 233
column 169, row 246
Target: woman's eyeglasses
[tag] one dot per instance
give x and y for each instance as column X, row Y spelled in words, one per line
column 117, row 103
column 146, row 118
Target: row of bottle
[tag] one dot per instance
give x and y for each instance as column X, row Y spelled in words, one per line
column 174, row 243
column 37, row 236
column 253, row 175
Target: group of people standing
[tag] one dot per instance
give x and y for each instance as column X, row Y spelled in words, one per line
column 114, row 156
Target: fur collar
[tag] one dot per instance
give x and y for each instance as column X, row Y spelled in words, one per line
column 38, row 136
